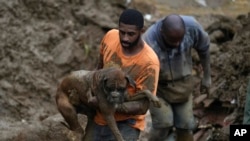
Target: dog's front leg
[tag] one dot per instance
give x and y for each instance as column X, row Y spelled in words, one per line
column 113, row 126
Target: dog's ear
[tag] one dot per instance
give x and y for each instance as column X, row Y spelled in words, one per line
column 103, row 83
column 130, row 81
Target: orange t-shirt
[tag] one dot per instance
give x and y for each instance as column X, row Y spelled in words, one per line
column 143, row 68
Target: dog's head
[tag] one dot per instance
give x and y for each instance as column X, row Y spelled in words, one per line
column 115, row 83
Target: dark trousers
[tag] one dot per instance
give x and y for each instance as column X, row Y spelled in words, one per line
column 103, row 133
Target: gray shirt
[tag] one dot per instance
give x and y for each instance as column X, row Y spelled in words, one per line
column 179, row 60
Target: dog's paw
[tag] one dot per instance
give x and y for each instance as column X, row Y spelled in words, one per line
column 74, row 136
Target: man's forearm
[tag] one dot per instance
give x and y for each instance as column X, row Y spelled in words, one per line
column 205, row 62
column 139, row 107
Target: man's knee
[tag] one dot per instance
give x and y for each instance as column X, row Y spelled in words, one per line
column 188, row 124
column 162, row 117
column 161, row 121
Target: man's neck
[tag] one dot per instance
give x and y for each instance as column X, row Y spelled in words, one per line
column 134, row 50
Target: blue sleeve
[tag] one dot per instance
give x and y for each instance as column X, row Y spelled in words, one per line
column 201, row 45
column 202, row 40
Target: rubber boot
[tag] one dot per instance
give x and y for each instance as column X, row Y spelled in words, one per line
column 184, row 135
column 158, row 134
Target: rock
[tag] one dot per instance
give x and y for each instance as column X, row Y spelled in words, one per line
column 214, row 48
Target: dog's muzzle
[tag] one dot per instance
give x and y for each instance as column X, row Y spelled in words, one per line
column 116, row 97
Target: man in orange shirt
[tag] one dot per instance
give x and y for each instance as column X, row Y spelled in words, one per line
column 125, row 48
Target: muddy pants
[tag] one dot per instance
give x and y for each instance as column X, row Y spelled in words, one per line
column 103, row 133
column 179, row 115
column 246, row 118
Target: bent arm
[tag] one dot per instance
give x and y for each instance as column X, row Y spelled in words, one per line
column 202, row 47
column 149, row 81
column 205, row 62
column 138, row 107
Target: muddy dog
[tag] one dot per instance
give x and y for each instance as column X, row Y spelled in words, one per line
column 108, row 85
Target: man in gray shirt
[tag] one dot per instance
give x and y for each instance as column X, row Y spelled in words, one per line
column 172, row 38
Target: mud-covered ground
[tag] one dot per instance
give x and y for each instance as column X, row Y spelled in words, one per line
column 41, row 41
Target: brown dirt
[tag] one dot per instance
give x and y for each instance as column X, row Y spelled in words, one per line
column 41, row 41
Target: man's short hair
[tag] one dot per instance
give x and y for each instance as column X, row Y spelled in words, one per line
column 132, row 17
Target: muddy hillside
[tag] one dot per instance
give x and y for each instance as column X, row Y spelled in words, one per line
column 42, row 41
